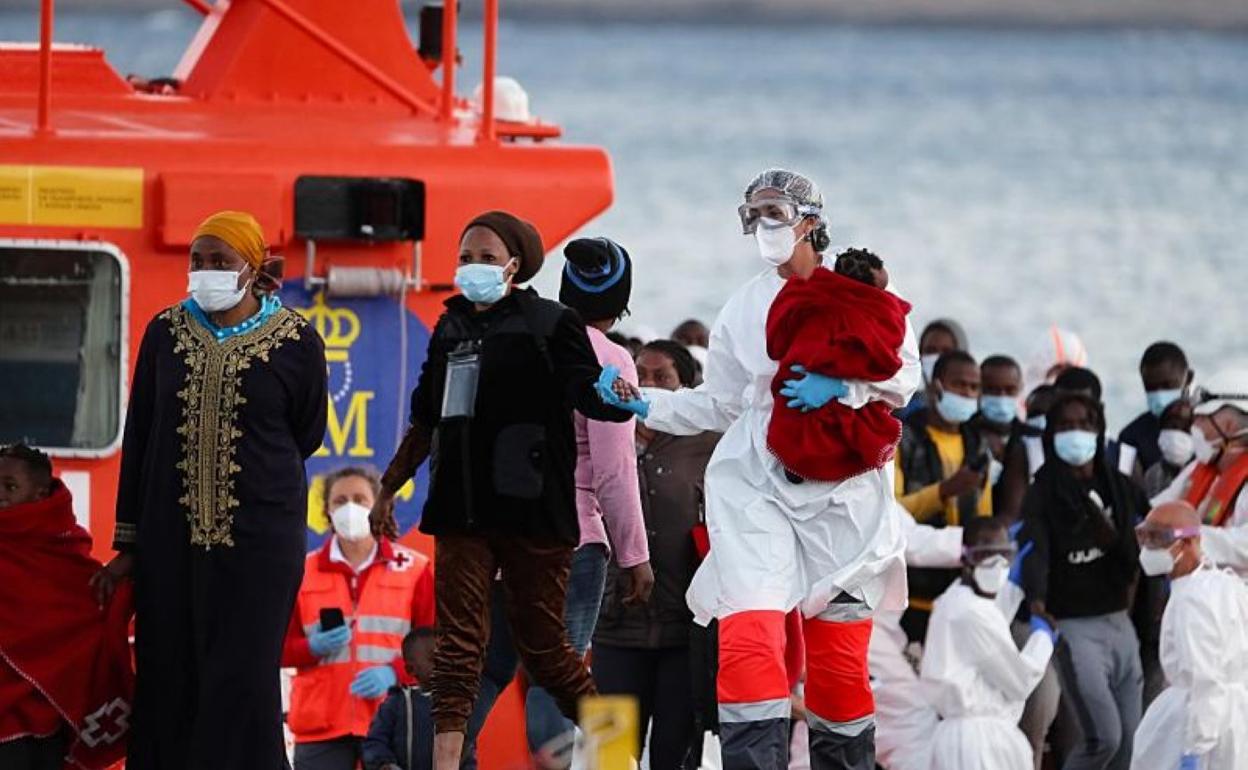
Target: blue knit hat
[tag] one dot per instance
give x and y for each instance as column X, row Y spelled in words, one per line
column 597, row 278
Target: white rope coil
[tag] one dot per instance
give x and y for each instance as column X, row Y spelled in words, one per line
column 364, row 282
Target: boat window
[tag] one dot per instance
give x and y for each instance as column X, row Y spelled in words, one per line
column 61, row 328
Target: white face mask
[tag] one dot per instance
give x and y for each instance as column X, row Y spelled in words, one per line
column 928, row 362
column 1156, row 561
column 351, row 521
column 1176, row 446
column 991, row 577
column 775, row 241
column 1203, row 448
column 216, row 290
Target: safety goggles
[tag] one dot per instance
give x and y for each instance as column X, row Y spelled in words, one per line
column 1162, row 537
column 989, row 556
column 772, row 213
column 1207, row 402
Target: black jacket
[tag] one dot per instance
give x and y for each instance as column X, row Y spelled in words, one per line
column 671, row 472
column 402, row 731
column 509, row 468
column 1142, row 434
column 1085, row 562
column 921, row 466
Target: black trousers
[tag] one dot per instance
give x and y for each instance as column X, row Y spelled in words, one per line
column 659, row 679
column 338, row 754
column 35, row 753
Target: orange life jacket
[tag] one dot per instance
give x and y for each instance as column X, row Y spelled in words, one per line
column 1212, row 492
column 321, row 705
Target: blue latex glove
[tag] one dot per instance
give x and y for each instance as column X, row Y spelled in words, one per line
column 813, row 390
column 326, row 643
column 1016, row 569
column 374, row 682
column 607, row 394
column 1038, row 623
column 1189, row 762
column 1014, row 529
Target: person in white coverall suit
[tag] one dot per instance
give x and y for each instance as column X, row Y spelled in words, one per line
column 904, row 719
column 834, row 549
column 972, row 672
column 1200, row 721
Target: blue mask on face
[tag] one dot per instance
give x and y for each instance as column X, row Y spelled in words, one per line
column 1158, row 400
column 483, row 284
column 999, row 409
column 1039, row 422
column 956, row 408
column 1075, row 447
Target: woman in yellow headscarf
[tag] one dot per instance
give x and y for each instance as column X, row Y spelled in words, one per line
column 228, row 400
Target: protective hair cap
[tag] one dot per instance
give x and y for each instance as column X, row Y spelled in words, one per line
column 799, row 188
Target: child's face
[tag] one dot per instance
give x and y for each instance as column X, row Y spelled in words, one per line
column 880, row 275
column 18, row 484
column 418, row 660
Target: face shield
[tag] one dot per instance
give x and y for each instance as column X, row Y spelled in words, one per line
column 1151, row 536
column 989, row 555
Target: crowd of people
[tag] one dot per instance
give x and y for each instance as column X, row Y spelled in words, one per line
column 826, row 539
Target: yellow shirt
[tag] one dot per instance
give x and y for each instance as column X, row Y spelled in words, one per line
column 926, row 503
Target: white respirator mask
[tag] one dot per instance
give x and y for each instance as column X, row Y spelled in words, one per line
column 776, row 241
column 1156, row 561
column 992, row 575
column 351, row 521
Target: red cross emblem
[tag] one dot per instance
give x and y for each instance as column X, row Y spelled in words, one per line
column 401, row 562
column 107, row 724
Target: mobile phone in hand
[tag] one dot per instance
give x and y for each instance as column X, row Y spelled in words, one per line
column 331, row 617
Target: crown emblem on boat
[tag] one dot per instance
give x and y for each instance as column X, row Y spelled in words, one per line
column 338, row 327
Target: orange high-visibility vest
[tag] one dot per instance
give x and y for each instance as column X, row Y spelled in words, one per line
column 1212, row 492
column 321, row 705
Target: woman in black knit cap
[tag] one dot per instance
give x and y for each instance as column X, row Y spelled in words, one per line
column 493, row 414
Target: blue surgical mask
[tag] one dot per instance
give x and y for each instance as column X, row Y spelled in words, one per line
column 483, row 284
column 956, row 408
column 1039, row 422
column 1158, row 400
column 1075, row 447
column 999, row 409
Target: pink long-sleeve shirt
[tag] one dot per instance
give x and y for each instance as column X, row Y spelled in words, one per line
column 606, row 472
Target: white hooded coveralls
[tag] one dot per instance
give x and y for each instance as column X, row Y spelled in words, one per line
column 1204, row 654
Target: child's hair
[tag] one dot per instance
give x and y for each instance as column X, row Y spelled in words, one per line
column 38, row 463
column 858, row 264
column 417, row 634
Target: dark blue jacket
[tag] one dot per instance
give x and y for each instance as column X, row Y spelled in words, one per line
column 402, row 732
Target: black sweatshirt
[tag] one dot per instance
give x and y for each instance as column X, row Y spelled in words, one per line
column 509, row 468
column 1085, row 558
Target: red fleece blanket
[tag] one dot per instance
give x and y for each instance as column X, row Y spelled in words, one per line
column 54, row 635
column 839, row 327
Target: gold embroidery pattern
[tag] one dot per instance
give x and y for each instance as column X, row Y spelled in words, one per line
column 210, row 400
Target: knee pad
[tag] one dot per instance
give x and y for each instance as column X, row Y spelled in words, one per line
column 751, row 657
column 838, row 683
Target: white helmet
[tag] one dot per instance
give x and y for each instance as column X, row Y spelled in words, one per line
column 1228, row 387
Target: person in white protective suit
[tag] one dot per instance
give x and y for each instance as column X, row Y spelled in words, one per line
column 972, row 671
column 834, row 549
column 1199, row 722
column 904, row 718
column 1213, row 483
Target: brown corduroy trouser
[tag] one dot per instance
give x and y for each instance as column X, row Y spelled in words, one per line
column 535, row 584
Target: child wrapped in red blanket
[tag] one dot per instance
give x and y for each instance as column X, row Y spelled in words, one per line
column 65, row 676
column 842, row 324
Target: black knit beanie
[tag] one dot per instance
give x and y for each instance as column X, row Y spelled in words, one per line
column 597, row 279
column 521, row 239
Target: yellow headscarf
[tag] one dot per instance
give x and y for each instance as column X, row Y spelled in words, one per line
column 240, row 231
